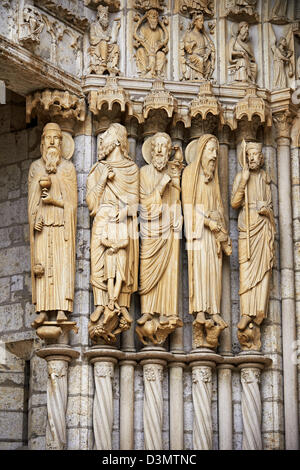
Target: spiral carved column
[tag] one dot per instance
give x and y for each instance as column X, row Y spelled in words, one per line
column 153, row 404
column 58, row 358
column 202, row 395
column 251, row 407
column 103, row 403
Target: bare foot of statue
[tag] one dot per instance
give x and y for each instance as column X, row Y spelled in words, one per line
column 244, row 321
column 61, row 316
column 39, row 320
column 97, row 313
column 111, row 304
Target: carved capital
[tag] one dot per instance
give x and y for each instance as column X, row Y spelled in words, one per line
column 205, row 103
column 283, row 124
column 57, row 106
column 250, row 375
column 108, row 95
column 203, row 374
column 152, row 373
column 103, row 370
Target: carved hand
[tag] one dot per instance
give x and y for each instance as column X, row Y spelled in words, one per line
column 38, row 225
column 245, row 175
column 164, row 182
column 214, row 226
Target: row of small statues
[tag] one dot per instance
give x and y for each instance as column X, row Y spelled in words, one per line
column 118, row 192
column 197, row 50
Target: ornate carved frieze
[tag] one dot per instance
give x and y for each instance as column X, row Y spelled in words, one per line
column 242, row 10
column 104, row 51
column 55, row 105
column 151, row 39
column 31, row 25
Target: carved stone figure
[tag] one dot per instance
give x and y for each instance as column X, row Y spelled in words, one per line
column 241, row 10
column 207, row 238
column 31, row 27
column 104, row 50
column 192, row 6
column 252, row 193
column 151, row 39
column 243, row 66
column 52, row 205
column 282, row 63
column 160, row 225
column 112, row 198
column 197, row 51
column 278, row 14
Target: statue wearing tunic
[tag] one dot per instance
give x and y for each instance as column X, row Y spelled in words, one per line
column 161, row 223
column 207, row 238
column 241, row 57
column 255, row 272
column 112, row 198
column 52, row 205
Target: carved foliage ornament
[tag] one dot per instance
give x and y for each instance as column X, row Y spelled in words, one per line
column 152, row 373
column 204, row 375
column 200, row 6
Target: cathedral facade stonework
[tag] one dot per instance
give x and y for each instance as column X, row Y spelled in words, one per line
column 149, row 225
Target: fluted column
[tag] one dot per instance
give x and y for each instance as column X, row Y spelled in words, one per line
column 251, row 406
column 153, row 403
column 282, row 121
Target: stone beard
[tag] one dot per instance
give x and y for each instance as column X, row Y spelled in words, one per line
column 52, row 204
column 255, row 272
column 206, row 236
column 161, row 219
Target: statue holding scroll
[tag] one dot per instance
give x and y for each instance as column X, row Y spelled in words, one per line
column 52, row 205
column 112, row 198
column 206, row 238
column 252, row 193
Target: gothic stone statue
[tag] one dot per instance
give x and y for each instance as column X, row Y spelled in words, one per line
column 198, row 51
column 112, row 198
column 104, row 50
column 256, row 261
column 243, row 66
column 52, row 205
column 206, row 237
column 161, row 223
column 282, row 63
column 151, row 39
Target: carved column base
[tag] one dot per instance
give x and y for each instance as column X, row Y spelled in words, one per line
column 104, row 360
column 57, row 357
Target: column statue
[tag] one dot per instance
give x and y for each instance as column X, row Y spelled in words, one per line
column 252, row 194
column 206, row 238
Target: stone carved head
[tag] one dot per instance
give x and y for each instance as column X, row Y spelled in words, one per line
column 255, row 157
column 102, row 16
column 209, row 158
column 152, row 17
column 198, row 21
column 51, row 146
column 161, row 147
column 243, row 31
column 114, row 136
